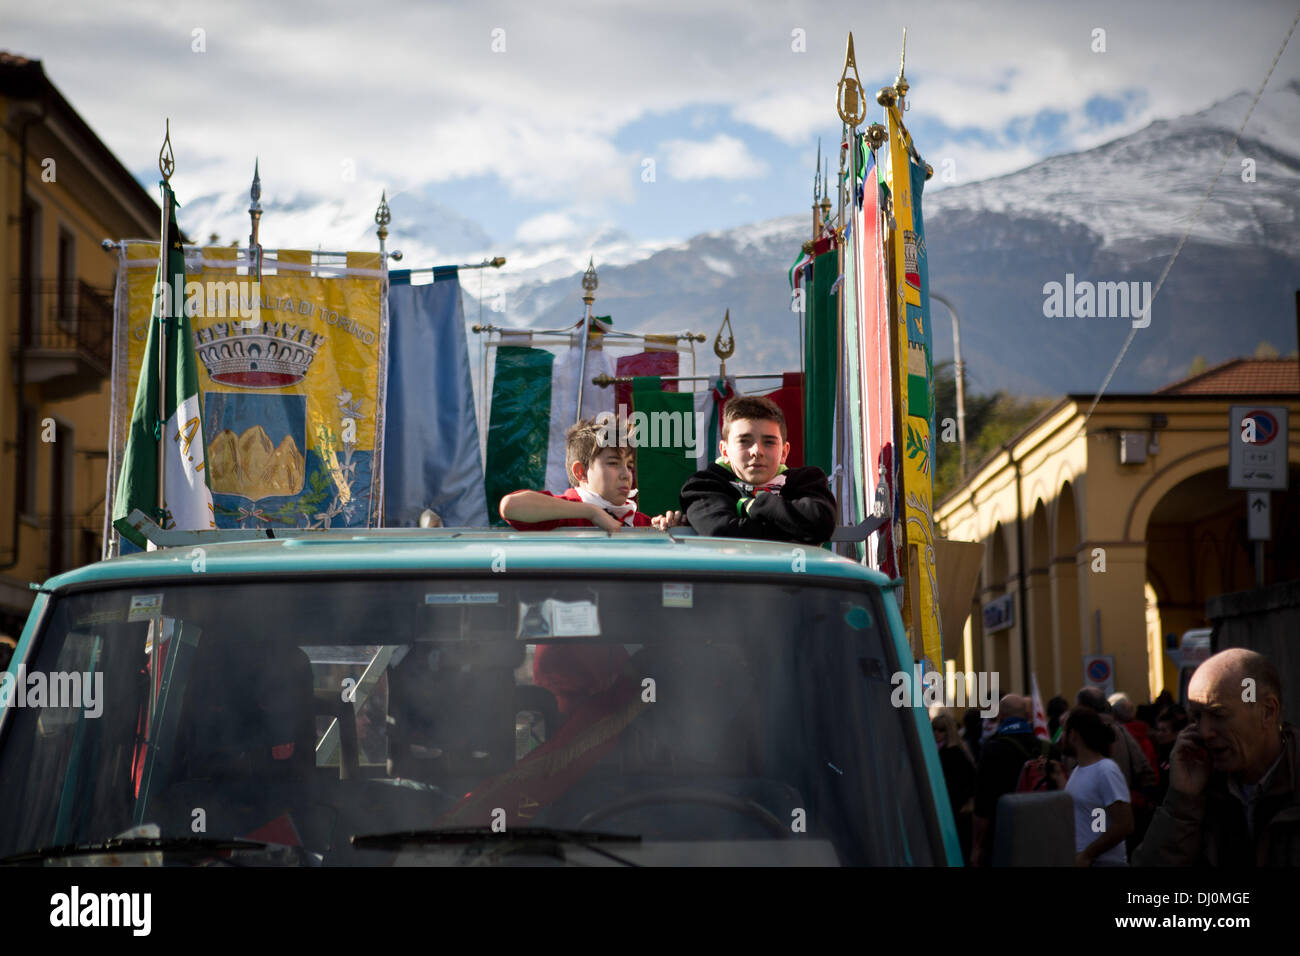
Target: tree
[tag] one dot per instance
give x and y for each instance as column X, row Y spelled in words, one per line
column 991, row 420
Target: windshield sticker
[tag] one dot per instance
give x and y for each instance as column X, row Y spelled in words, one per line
column 552, row 618
column 101, row 617
column 858, row 618
column 144, row 607
column 472, row 597
column 679, row 595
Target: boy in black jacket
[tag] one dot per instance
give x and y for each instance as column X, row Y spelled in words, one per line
column 748, row 492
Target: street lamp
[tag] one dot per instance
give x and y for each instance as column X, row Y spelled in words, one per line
column 958, row 369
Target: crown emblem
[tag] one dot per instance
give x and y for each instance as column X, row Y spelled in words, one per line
column 273, row 356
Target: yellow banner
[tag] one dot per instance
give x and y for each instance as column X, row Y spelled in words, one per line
column 916, row 454
column 292, row 373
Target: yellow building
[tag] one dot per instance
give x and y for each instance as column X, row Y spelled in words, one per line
column 1107, row 536
column 61, row 193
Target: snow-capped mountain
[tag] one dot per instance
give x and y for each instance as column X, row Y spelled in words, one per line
column 1114, row 213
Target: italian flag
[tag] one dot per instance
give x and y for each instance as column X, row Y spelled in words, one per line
column 166, row 418
column 534, row 402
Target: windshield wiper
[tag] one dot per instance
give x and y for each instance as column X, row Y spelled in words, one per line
column 189, row 846
column 586, row 839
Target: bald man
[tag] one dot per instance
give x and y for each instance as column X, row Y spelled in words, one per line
column 1234, row 773
column 1001, row 758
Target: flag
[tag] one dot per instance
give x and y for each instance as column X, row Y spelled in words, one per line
column 915, row 386
column 166, row 418
column 292, row 370
column 789, row 398
column 667, row 452
column 534, row 397
column 821, row 357
column 431, row 457
column 661, row 361
column 875, row 379
column 1040, row 715
column 708, row 415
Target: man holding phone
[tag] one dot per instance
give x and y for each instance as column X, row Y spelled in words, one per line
column 1234, row 773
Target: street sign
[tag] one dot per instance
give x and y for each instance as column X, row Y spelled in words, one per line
column 1258, row 525
column 1099, row 671
column 1257, row 447
column 999, row 614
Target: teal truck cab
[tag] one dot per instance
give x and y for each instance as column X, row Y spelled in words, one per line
column 444, row 697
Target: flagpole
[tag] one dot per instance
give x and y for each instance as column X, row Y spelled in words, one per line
column 850, row 105
column 255, row 215
column 383, row 216
column 166, row 166
column 589, row 284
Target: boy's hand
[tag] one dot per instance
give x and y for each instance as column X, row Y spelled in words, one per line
column 604, row 520
column 669, row 519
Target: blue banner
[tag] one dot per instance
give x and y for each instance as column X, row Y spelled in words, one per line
column 431, row 450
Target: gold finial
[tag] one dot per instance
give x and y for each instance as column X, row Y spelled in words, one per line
column 900, row 82
column 848, row 92
column 382, row 216
column 725, row 348
column 166, row 158
column 929, row 172
column 590, row 282
column 875, row 134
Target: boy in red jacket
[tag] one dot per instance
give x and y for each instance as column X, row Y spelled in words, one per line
column 601, row 492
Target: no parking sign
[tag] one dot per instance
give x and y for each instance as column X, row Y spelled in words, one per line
column 1099, row 671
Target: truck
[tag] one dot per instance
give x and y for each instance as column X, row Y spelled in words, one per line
column 467, row 696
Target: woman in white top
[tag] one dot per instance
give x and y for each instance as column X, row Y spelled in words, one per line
column 1103, row 817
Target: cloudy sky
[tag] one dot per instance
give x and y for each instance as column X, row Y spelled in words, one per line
column 501, row 125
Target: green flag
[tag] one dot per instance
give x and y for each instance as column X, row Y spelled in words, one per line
column 167, row 415
column 667, row 452
column 821, row 352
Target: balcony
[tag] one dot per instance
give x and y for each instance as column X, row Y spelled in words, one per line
column 66, row 348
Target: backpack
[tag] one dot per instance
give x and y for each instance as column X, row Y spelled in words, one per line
column 1033, row 777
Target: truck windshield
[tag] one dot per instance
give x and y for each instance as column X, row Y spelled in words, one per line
column 701, row 721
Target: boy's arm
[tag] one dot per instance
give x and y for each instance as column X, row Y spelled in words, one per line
column 533, row 507
column 803, row 512
column 710, row 508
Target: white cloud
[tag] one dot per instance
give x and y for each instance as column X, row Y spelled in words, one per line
column 415, row 95
column 791, row 117
column 723, row 157
column 547, row 227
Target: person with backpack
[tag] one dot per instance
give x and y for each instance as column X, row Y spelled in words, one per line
column 1001, row 766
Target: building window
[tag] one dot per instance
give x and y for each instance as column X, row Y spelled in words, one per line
column 29, row 427
column 67, row 291
column 31, row 282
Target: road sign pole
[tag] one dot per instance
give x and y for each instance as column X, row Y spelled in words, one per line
column 1259, row 527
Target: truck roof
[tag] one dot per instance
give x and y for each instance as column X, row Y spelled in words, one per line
column 469, row 550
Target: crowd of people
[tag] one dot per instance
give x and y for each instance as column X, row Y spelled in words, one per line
column 1214, row 782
